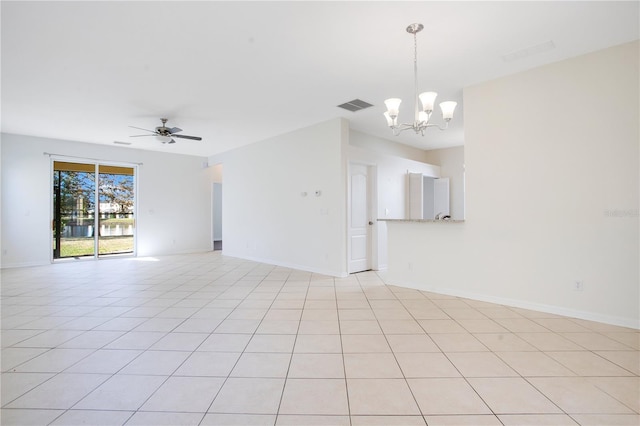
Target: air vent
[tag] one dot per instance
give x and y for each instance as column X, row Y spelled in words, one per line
column 355, row 105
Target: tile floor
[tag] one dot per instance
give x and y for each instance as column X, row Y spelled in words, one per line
column 210, row 340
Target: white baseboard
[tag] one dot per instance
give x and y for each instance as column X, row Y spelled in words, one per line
column 551, row 309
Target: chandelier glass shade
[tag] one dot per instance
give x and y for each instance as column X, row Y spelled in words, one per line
column 424, row 102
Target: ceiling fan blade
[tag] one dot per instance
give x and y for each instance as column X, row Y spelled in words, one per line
column 172, row 141
column 175, row 130
column 140, row 128
column 194, row 138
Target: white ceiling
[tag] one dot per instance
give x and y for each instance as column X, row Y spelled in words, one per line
column 240, row 72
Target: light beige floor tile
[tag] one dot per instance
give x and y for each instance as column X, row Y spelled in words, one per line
column 136, row 340
column 49, row 339
column 595, row 341
column 534, row 364
column 588, row 364
column 521, row 325
column 61, row 391
column 238, row 326
column 480, row 364
column 411, row 343
column 624, row 389
column 18, row 417
column 629, row 360
column 550, row 342
column 380, row 397
column 315, row 396
column 208, row 364
column 434, row 313
column 159, row 324
column 447, row 396
column 504, row 342
column 418, row 365
column 305, row 366
column 16, row 384
column 284, row 314
column 311, row 420
column 319, row 314
column 378, row 365
column 578, row 395
column 53, row 361
column 196, row 325
column 607, row 419
column 400, row 327
column 92, row 339
column 225, row 343
column 161, row 363
column 387, row 421
column 121, row 393
column 630, row 339
column 247, row 314
column 260, row 364
column 360, row 327
column 319, row 327
column 441, row 326
column 560, row 325
column 392, row 314
column 512, row 395
column 142, row 418
column 93, row 417
column 318, row 343
column 271, row 343
column 184, row 394
column 477, row 420
column 458, row 342
column 537, row 420
column 249, row 396
column 104, row 361
column 481, row 326
column 364, row 343
column 356, row 314
column 463, row 313
column 278, row 327
column 12, row 357
column 238, row 419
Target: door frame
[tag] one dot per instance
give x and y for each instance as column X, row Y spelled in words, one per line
column 96, row 217
column 372, row 203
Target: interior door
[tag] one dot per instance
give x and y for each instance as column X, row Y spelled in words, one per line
column 360, row 221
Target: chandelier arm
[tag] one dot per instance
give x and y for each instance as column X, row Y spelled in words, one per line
column 445, row 127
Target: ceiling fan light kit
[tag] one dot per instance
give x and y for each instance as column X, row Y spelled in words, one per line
column 424, row 102
column 166, row 133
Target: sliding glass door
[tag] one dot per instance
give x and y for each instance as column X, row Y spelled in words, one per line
column 92, row 217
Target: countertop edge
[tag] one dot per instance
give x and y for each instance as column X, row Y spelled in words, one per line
column 422, row 220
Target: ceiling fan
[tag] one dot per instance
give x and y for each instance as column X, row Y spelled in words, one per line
column 166, row 132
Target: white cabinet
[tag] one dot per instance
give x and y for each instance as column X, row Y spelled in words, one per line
column 428, row 197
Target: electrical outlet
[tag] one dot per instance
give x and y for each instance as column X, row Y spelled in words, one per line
column 578, row 285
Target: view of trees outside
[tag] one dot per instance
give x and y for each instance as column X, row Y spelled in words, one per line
column 74, row 213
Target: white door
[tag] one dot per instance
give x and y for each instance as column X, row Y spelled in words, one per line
column 360, row 220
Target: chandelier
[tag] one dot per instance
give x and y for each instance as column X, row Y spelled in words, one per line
column 423, row 102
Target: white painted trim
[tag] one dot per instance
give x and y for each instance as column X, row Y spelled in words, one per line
column 515, row 303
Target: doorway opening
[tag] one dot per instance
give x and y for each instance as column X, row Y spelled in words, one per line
column 361, row 227
column 216, row 207
column 93, row 210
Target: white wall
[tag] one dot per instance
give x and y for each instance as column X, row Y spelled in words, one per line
column 173, row 205
column 451, row 162
column 265, row 217
column 552, row 177
column 392, row 165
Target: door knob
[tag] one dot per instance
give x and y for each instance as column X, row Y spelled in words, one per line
column 370, row 223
